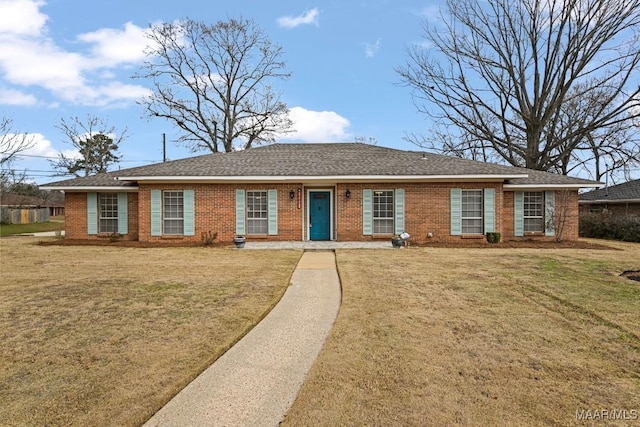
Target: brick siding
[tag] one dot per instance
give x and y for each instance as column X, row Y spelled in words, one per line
column 76, row 218
column 215, row 210
column 427, row 212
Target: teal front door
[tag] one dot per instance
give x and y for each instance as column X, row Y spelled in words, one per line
column 320, row 215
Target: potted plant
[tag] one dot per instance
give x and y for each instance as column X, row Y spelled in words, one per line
column 239, row 241
column 396, row 241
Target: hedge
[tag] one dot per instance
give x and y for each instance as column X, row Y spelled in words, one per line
column 605, row 226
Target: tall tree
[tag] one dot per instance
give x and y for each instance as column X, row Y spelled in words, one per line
column 214, row 83
column 12, row 143
column 505, row 73
column 97, row 145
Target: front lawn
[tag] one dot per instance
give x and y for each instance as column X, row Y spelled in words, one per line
column 99, row 335
column 436, row 336
column 56, row 224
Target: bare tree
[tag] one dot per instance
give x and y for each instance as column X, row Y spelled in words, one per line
column 97, row 144
column 12, row 144
column 601, row 151
column 214, row 83
column 562, row 213
column 501, row 72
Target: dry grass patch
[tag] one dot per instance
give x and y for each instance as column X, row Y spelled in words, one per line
column 478, row 337
column 97, row 335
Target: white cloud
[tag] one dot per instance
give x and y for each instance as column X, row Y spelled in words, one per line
column 21, row 17
column 41, row 146
column 16, row 97
column 29, row 58
column 117, row 46
column 317, row 126
column 371, row 49
column 309, row 17
column 41, row 63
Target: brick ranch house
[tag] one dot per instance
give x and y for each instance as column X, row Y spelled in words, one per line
column 619, row 200
column 340, row 191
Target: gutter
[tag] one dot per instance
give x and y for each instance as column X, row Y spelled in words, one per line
column 89, row 188
column 333, row 178
column 586, row 202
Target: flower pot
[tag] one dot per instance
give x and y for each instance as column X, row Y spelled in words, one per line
column 239, row 242
column 396, row 242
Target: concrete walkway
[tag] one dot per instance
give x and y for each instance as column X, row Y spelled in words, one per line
column 257, row 380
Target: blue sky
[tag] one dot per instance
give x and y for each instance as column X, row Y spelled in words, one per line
column 67, row 58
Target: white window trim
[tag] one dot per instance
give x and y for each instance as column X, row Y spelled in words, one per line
column 165, row 218
column 525, row 216
column 373, row 212
column 481, row 217
column 111, row 218
column 266, row 212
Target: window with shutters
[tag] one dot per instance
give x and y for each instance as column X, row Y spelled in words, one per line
column 472, row 212
column 173, row 212
column 257, row 212
column 108, row 213
column 533, row 211
column 383, row 215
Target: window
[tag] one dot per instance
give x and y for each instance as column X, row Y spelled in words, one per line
column 173, row 212
column 533, row 212
column 471, row 211
column 108, row 213
column 257, row 212
column 383, row 212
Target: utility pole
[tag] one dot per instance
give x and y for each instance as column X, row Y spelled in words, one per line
column 164, row 147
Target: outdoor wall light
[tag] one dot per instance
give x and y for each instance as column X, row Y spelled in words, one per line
column 347, row 194
column 292, row 194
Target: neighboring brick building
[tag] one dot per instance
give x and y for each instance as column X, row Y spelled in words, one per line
column 344, row 192
column 619, row 200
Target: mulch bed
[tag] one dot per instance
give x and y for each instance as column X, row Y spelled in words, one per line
column 128, row 243
column 535, row 244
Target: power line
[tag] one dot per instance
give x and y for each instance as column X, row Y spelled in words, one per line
column 56, row 158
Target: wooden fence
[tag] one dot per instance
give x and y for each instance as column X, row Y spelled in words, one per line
column 23, row 216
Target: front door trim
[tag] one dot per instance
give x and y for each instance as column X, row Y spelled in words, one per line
column 331, row 210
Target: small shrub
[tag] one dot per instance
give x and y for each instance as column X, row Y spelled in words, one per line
column 208, row 237
column 493, row 237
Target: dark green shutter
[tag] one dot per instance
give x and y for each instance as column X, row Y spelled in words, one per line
column 92, row 213
column 240, row 212
column 188, row 197
column 399, row 211
column 489, row 210
column 518, row 213
column 156, row 212
column 456, row 212
column 367, row 212
column 549, row 213
column 123, row 213
column 272, row 203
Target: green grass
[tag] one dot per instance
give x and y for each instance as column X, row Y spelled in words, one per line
column 39, row 227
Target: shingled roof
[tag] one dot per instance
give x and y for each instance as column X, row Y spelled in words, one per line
column 625, row 192
column 347, row 161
